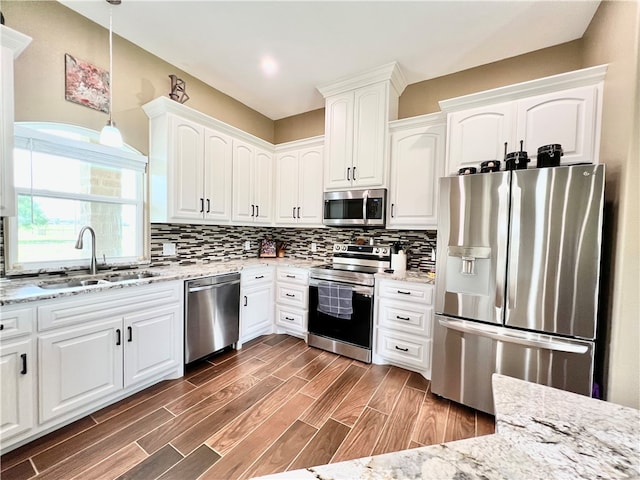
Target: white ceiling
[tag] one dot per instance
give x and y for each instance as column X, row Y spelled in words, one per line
column 315, row 42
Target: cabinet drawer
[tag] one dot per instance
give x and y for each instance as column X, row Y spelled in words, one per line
column 16, row 321
column 256, row 276
column 291, row 318
column 294, row 295
column 412, row 351
column 405, row 316
column 293, row 275
column 406, row 291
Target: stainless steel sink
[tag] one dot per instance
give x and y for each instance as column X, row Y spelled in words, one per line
column 101, row 280
column 123, row 277
column 70, row 284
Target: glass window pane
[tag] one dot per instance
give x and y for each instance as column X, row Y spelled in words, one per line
column 48, row 229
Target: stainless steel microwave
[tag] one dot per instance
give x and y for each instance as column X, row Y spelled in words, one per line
column 352, row 208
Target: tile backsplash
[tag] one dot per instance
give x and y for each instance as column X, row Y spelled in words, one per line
column 210, row 243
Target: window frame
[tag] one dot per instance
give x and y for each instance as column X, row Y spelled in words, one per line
column 79, row 143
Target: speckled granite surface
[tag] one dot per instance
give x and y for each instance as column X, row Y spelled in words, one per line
column 27, row 290
column 541, row 433
column 408, row 276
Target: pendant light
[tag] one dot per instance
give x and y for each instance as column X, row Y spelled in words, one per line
column 110, row 135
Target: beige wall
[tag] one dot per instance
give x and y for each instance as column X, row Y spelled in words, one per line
column 138, row 76
column 309, row 124
column 614, row 38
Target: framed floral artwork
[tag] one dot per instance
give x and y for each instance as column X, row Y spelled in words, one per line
column 86, row 84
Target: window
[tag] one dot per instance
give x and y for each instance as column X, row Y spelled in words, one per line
column 64, row 181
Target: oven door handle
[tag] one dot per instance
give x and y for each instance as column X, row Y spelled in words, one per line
column 363, row 290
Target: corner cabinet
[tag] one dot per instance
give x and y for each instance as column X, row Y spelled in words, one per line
column 298, row 192
column 417, row 163
column 357, row 112
column 12, row 44
column 252, row 184
column 562, row 109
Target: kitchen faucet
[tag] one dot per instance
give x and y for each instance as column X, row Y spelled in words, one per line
column 93, row 268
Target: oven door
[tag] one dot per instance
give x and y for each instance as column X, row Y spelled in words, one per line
column 357, row 330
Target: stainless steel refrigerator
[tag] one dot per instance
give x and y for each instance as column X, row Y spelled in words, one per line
column 517, row 274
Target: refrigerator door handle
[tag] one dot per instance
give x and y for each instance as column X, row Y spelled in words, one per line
column 512, row 337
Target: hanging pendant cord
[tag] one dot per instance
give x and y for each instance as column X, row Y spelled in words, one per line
column 110, row 63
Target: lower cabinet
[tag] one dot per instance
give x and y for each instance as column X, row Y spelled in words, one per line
column 17, row 398
column 256, row 303
column 404, row 325
column 292, row 301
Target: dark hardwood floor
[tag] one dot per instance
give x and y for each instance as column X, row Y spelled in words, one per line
column 275, row 405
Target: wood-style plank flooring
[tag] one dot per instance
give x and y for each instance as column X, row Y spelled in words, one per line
column 275, row 405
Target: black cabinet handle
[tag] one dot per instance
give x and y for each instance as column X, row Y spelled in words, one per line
column 23, row 357
column 208, row 205
column 253, row 210
column 289, row 318
column 402, row 318
column 354, row 173
column 404, row 293
column 245, row 300
column 289, row 294
column 402, row 349
column 298, row 212
column 259, row 276
column 293, row 212
column 201, row 205
column 257, row 211
column 130, row 330
column 118, row 339
column 291, row 276
column 392, row 207
column 348, row 172
column 1, row 326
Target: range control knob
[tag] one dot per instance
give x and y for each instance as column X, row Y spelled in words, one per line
column 376, row 250
column 336, row 247
column 384, row 251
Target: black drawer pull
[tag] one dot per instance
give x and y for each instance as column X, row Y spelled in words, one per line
column 291, row 276
column 290, row 319
column 118, row 339
column 245, row 300
column 130, row 330
column 402, row 349
column 289, row 294
column 1, row 326
column 259, row 276
column 403, row 292
column 402, row 318
column 24, row 364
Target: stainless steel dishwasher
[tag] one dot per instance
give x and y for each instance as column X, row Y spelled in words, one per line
column 212, row 315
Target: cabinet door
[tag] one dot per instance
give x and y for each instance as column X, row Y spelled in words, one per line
column 417, row 162
column 187, row 151
column 243, row 204
column 17, row 387
column 256, row 311
column 217, row 175
column 7, row 192
column 567, row 117
column 287, row 188
column 310, row 204
column 479, row 134
column 369, row 134
column 150, row 344
column 78, row 366
column 339, row 141
column 263, row 186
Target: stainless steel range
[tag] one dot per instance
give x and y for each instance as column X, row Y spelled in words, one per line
column 341, row 299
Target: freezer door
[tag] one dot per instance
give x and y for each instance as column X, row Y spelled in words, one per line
column 466, row 354
column 472, row 246
column 554, row 252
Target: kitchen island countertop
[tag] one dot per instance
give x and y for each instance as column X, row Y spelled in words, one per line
column 541, row 433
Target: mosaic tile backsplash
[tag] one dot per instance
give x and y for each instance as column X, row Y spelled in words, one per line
column 210, row 243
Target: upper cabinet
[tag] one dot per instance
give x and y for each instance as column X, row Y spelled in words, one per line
column 417, row 162
column 12, row 44
column 358, row 109
column 192, row 160
column 252, row 184
column 562, row 109
column 298, row 193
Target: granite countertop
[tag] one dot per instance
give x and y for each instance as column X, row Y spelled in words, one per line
column 25, row 290
column 415, row 276
column 541, row 433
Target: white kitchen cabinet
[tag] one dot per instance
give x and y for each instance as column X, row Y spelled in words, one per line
column 404, row 325
column 292, row 301
column 298, row 192
column 17, row 364
column 256, row 303
column 252, row 184
column 357, row 112
column 562, row 109
column 417, row 162
column 12, row 44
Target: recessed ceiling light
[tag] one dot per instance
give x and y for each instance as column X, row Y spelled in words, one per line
column 269, row 66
